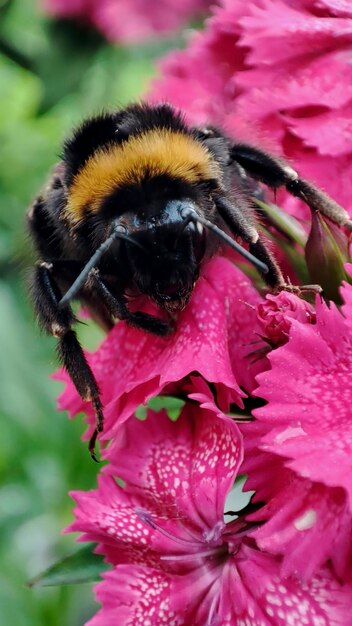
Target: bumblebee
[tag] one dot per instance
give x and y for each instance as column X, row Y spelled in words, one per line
column 138, row 203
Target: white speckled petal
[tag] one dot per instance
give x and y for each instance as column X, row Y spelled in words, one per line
column 187, row 466
column 135, row 596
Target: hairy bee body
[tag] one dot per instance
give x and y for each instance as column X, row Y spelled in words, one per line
column 138, row 203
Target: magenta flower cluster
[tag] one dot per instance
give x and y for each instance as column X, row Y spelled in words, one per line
column 176, row 560
column 265, row 380
column 279, row 73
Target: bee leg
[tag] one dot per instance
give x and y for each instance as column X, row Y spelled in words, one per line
column 117, row 305
column 239, row 226
column 274, row 278
column 58, row 322
column 276, row 173
column 236, row 219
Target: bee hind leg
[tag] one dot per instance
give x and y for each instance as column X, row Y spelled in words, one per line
column 276, row 173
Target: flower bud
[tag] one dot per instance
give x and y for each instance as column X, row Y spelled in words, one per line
column 276, row 312
column 326, row 253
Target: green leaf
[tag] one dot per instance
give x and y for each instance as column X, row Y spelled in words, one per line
column 173, row 407
column 293, row 254
column 284, row 222
column 81, row 567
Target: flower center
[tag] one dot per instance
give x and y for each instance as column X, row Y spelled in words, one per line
column 213, row 536
column 221, row 541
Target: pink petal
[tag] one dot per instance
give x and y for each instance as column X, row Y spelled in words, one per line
column 250, row 594
column 188, row 84
column 134, row 596
column 320, row 82
column 335, row 7
column 185, row 467
column 324, row 171
column 275, row 31
column 243, row 327
column 117, row 519
column 271, row 599
column 177, row 476
column 330, row 132
column 309, row 387
column 108, row 516
column 308, row 524
column 266, row 472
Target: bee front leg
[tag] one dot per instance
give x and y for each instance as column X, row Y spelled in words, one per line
column 58, row 322
column 117, row 305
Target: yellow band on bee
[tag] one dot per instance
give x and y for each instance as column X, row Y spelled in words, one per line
column 154, row 153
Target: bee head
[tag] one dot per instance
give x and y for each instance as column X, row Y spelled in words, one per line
column 166, row 265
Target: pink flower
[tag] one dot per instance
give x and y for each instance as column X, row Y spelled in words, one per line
column 254, row 595
column 277, row 73
column 67, row 8
column 307, row 523
column 132, row 21
column 214, row 337
column 298, row 453
column 175, row 559
column 276, row 312
column 308, row 392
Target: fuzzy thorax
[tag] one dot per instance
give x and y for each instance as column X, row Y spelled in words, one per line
column 154, row 153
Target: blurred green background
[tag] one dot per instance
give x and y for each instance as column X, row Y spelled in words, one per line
column 52, row 74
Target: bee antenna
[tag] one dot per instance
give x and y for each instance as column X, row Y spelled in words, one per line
column 119, row 232
column 190, row 215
